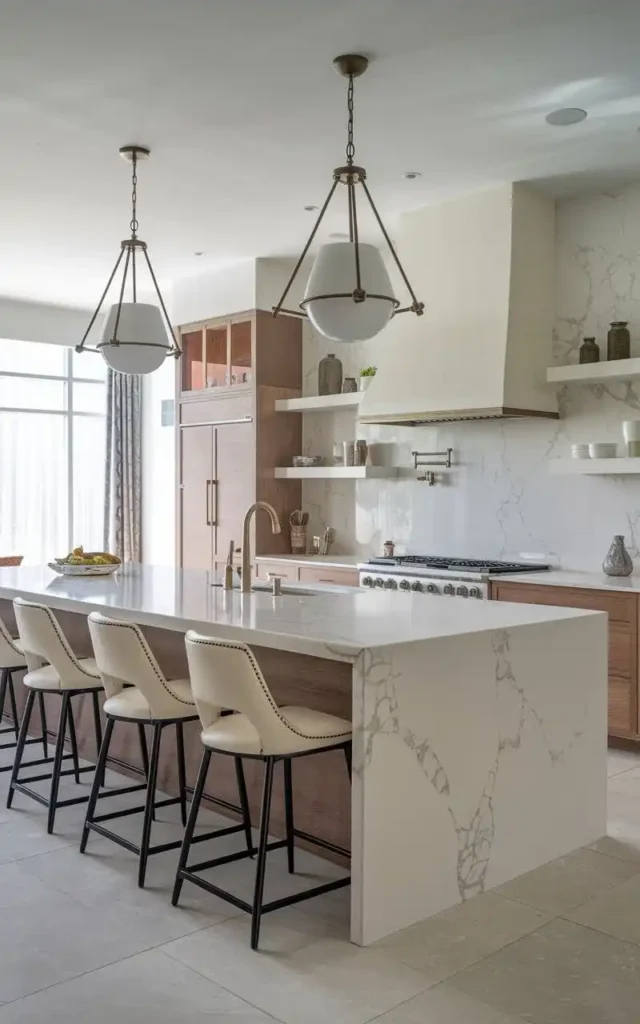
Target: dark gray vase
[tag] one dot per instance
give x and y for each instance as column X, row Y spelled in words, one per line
column 618, row 561
column 329, row 375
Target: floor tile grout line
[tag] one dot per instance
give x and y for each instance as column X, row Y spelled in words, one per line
column 195, row 970
column 597, row 931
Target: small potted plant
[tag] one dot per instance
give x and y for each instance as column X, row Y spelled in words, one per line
column 366, row 376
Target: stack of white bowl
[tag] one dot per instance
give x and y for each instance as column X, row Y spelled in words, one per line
column 604, row 450
column 580, row 451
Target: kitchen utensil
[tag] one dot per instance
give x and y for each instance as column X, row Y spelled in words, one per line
column 295, row 519
column 328, row 538
column 603, row 450
column 305, row 518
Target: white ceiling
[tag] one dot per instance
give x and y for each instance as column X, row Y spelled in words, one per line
column 245, row 117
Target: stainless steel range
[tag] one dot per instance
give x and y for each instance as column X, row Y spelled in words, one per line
column 435, row 574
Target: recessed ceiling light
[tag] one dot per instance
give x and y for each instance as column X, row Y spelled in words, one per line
column 311, row 208
column 198, row 254
column 410, row 175
column 566, row 116
column 338, row 234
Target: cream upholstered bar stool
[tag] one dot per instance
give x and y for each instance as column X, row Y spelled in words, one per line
column 52, row 668
column 225, row 674
column 12, row 659
column 137, row 691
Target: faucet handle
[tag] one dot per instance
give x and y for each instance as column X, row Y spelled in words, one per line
column 276, row 580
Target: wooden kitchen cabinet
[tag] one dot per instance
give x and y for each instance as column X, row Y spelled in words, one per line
column 322, row 574
column 624, row 616
column 229, row 436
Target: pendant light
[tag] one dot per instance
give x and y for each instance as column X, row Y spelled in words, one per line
column 137, row 336
column 349, row 296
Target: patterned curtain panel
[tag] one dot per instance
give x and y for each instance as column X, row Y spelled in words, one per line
column 123, row 476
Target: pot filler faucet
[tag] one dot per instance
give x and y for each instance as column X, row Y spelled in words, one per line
column 246, row 553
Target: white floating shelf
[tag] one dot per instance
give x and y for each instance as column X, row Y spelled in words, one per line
column 595, row 467
column 335, row 472
column 320, row 403
column 592, row 373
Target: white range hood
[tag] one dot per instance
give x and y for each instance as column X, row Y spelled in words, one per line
column 483, row 266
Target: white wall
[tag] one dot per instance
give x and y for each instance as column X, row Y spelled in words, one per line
column 501, row 500
column 39, row 321
column 214, row 293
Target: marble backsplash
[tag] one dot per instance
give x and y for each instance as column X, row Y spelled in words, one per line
column 500, row 499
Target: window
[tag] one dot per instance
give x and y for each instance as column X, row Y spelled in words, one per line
column 52, row 450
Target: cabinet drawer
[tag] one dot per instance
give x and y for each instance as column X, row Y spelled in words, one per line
column 622, row 653
column 621, row 707
column 216, row 410
column 619, row 607
column 320, row 574
column 287, row 570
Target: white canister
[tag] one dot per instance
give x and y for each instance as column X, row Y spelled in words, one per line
column 631, row 434
column 348, row 451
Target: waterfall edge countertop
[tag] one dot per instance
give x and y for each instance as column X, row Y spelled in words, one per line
column 332, row 622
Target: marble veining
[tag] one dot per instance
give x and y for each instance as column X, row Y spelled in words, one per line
column 500, row 500
column 491, row 740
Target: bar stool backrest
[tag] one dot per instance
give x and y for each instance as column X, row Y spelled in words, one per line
column 124, row 657
column 44, row 642
column 225, row 674
column 10, row 655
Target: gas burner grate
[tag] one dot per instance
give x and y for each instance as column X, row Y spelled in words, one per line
column 479, row 565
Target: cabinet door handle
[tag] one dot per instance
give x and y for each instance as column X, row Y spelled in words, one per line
column 214, row 503
column 206, row 502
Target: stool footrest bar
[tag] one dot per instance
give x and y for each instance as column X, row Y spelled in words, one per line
column 324, row 843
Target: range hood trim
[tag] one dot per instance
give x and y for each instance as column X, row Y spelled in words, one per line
column 417, row 419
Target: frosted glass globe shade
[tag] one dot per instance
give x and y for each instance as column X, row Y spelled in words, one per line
column 140, row 329
column 334, row 271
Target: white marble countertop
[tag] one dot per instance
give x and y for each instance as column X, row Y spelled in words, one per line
column 336, row 623
column 331, row 561
column 575, row 578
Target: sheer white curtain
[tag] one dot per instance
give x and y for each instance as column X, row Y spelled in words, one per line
column 52, row 450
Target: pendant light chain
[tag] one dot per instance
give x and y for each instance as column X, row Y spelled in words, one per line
column 351, row 149
column 134, row 225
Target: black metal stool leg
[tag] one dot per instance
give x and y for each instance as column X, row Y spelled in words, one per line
column 4, row 679
column 12, row 698
column 143, row 750
column 288, row 810
column 149, row 804
column 244, row 802
column 97, row 782
column 97, row 726
column 43, row 723
column 74, row 742
column 261, row 865
column 348, row 753
column 191, row 824
column 22, row 738
column 57, row 763
column 182, row 775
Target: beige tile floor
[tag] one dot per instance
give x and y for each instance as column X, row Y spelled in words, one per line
column 80, row 941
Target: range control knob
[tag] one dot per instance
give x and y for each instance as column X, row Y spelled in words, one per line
column 417, row 586
column 449, row 590
column 367, row 581
column 378, row 583
column 462, row 591
column 431, row 588
column 475, row 592
column 390, row 585
column 405, row 585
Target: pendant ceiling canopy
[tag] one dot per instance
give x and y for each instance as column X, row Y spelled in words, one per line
column 137, row 336
column 349, row 295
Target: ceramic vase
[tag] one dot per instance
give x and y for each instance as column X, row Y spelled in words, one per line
column 329, row 375
column 618, row 561
column 618, row 340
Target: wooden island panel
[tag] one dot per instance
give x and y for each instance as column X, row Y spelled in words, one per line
column 322, row 795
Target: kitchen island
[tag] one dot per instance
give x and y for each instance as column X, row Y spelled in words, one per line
column 479, row 727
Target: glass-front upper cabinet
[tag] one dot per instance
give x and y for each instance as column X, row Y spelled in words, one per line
column 218, row 355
